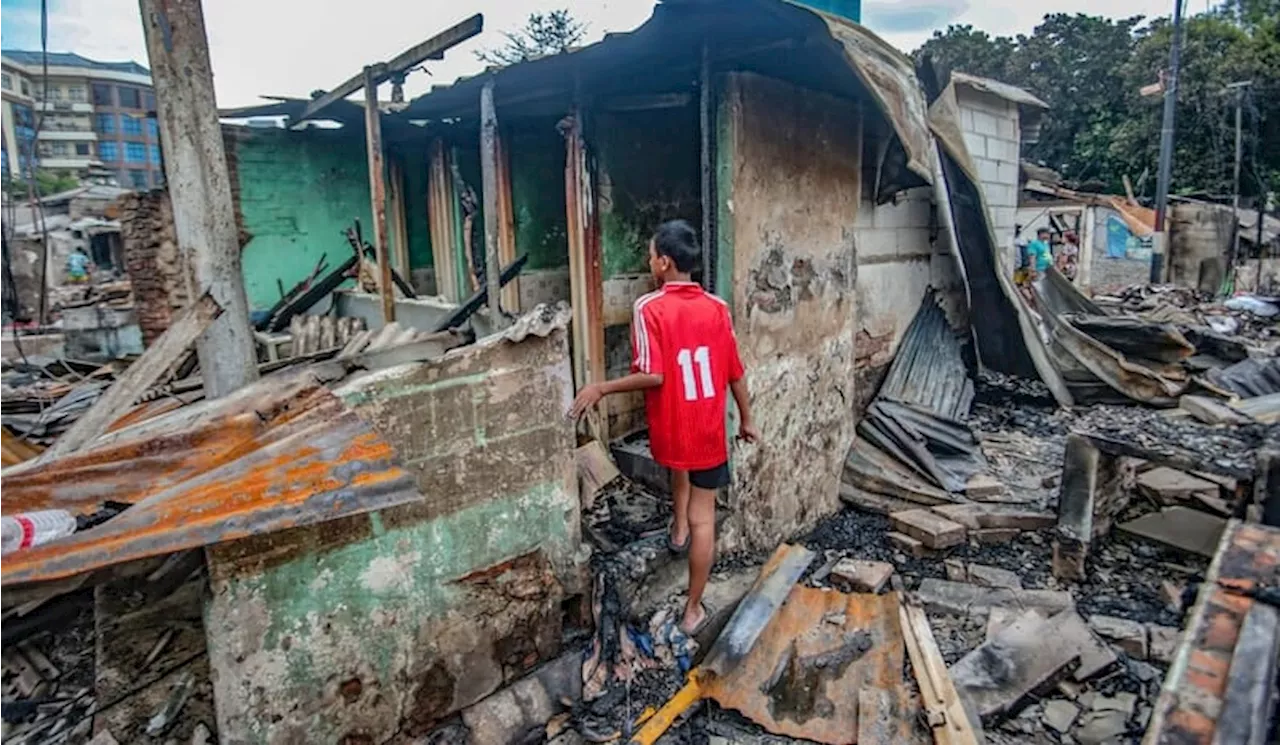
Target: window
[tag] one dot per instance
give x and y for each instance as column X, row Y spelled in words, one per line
column 57, row 148
column 129, row 98
column 130, row 125
column 135, row 152
column 152, row 129
column 102, row 95
column 105, row 124
column 26, row 87
column 6, row 81
column 155, row 155
column 107, row 151
column 82, row 148
column 138, row 179
column 150, row 102
column 76, row 93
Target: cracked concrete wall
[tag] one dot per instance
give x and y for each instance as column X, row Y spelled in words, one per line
column 793, row 158
column 381, row 625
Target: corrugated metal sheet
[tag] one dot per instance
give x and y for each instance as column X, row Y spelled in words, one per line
column 928, row 370
column 282, row 453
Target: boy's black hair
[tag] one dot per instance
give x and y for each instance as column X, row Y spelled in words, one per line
column 677, row 240
column 1043, row 230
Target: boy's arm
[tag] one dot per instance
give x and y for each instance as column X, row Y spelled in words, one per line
column 646, row 366
column 738, row 386
column 591, row 393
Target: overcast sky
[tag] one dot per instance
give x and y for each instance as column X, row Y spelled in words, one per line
column 291, row 47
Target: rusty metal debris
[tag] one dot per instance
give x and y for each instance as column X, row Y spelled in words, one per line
column 283, row 453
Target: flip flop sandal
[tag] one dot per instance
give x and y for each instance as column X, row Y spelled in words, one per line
column 679, row 549
column 707, row 612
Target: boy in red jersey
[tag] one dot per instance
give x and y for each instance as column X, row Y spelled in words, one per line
column 685, row 359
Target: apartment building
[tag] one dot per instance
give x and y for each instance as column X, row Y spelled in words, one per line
column 98, row 117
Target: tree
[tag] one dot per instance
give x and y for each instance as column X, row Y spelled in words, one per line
column 553, row 32
column 1099, row 128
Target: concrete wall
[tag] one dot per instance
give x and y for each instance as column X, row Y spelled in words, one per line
column 1199, row 238
column 382, row 624
column 901, row 252
column 1258, row 275
column 788, row 211
column 991, row 132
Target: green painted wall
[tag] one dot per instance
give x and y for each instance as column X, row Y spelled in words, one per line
column 649, row 171
column 536, row 159
column 299, row 191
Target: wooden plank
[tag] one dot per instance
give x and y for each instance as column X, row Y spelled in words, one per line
column 378, row 193
column 189, row 324
column 489, row 188
column 432, row 48
column 945, row 713
column 1250, row 681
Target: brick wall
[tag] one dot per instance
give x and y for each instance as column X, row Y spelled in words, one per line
column 152, row 260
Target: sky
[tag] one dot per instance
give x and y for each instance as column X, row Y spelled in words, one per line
column 291, row 47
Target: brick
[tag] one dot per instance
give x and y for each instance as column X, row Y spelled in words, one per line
column 984, row 485
column 989, row 576
column 863, row 576
column 994, row 535
column 975, row 516
column 929, row 528
column 909, row 545
column 985, row 124
column 1129, row 636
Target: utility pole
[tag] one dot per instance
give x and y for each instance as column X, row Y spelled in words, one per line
column 1166, row 150
column 195, row 167
column 1238, row 87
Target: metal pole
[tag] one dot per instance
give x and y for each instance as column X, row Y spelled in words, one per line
column 489, row 184
column 378, row 193
column 1166, row 148
column 1235, row 190
column 195, row 167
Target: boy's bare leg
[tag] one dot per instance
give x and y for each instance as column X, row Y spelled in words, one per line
column 680, row 496
column 702, row 550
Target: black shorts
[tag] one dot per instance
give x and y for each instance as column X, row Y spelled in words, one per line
column 711, row 478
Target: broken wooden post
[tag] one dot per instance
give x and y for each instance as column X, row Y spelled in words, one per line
column 378, row 192
column 1075, row 508
column 489, row 185
column 195, row 167
column 189, row 324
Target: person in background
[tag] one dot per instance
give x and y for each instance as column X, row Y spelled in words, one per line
column 78, row 264
column 1038, row 257
column 1067, row 257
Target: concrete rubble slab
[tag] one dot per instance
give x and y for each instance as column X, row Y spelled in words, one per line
column 515, row 711
column 984, row 486
column 1211, row 411
column 1129, row 636
column 1170, row 486
column 863, row 576
column 986, row 516
column 1025, row 655
column 989, row 576
column 1059, row 715
column 908, row 545
column 933, row 530
column 994, row 535
column 1162, row 643
column 1181, row 527
column 1106, row 720
column 960, row 598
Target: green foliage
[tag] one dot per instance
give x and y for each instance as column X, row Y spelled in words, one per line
column 1099, row 128
column 47, row 182
column 552, row 32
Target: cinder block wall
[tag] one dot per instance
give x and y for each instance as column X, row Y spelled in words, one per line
column 990, row 126
column 383, row 624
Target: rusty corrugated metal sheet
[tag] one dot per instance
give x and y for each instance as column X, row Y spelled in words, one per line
column 282, row 453
column 803, row 676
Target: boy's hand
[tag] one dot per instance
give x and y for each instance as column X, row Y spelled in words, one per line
column 748, row 432
column 589, row 396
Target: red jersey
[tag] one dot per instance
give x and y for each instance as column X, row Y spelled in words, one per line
column 686, row 335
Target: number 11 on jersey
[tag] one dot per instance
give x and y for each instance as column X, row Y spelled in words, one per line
column 702, row 358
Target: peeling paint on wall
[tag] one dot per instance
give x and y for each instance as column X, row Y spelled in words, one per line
column 380, row 626
column 795, row 192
